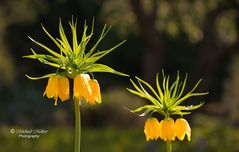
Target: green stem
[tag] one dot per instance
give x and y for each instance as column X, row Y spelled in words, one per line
column 169, row 146
column 77, row 126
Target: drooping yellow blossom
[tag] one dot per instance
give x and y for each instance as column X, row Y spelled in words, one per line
column 64, row 90
column 81, row 87
column 95, row 96
column 167, row 129
column 51, row 88
column 181, row 128
column 152, row 129
column 57, row 86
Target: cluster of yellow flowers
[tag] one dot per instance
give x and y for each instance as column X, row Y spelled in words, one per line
column 167, row 129
column 84, row 88
column 165, row 100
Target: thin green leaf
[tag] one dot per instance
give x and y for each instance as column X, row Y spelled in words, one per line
column 159, row 89
column 104, row 68
column 37, row 78
column 44, row 56
column 176, row 84
column 180, row 113
column 147, row 111
column 96, row 57
column 188, row 96
column 144, row 94
column 149, row 97
column 167, row 92
column 47, row 49
column 137, row 88
column 135, row 92
column 46, row 59
column 73, row 26
column 53, row 39
column 149, row 86
column 103, row 33
column 64, row 38
column 183, row 87
column 187, row 108
column 80, row 51
column 195, row 86
column 151, row 107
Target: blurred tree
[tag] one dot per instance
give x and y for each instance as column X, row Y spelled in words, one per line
column 230, row 102
column 210, row 25
column 220, row 40
column 12, row 12
column 132, row 14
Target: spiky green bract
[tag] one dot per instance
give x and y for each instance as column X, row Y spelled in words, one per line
column 166, row 99
column 74, row 57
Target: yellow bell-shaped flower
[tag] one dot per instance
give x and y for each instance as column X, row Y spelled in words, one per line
column 181, row 128
column 57, row 86
column 81, row 87
column 64, row 90
column 152, row 129
column 52, row 88
column 167, row 129
column 95, row 96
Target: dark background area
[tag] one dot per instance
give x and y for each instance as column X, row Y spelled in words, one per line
column 198, row 37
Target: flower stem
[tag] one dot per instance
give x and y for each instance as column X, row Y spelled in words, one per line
column 77, row 126
column 169, row 146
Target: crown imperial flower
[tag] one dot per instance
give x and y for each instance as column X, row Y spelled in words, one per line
column 86, row 89
column 57, row 86
column 181, row 128
column 95, row 96
column 152, row 129
column 166, row 101
column 81, row 87
column 74, row 60
column 167, row 129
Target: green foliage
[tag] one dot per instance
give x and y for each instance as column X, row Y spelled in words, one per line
column 218, row 136
column 167, row 98
column 74, row 59
column 213, row 133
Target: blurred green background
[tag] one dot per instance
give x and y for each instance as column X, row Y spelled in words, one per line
column 198, row 37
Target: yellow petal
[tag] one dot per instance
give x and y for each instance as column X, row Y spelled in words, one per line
column 152, row 129
column 182, row 127
column 64, row 91
column 52, row 88
column 95, row 96
column 167, row 129
column 81, row 87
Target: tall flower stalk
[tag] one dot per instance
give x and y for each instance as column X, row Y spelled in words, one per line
column 166, row 100
column 74, row 60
